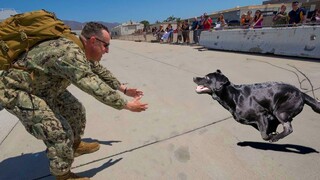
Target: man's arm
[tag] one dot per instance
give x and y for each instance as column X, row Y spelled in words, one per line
column 74, row 66
column 106, row 76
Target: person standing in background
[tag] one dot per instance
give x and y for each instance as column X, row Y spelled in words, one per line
column 297, row 15
column 195, row 27
column 257, row 20
column 281, row 17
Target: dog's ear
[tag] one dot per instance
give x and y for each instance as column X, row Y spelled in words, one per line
column 218, row 71
column 221, row 81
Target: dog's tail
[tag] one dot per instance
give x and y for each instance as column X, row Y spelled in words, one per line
column 314, row 104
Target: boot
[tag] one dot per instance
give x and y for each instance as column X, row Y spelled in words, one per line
column 71, row 176
column 85, row 148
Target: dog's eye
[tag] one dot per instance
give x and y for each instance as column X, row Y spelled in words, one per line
column 207, row 78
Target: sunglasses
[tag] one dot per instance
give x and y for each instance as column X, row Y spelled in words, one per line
column 105, row 44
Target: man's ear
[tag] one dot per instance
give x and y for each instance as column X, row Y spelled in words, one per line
column 92, row 39
column 88, row 41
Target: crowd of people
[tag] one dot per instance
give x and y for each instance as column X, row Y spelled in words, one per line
column 281, row 18
column 247, row 20
column 183, row 29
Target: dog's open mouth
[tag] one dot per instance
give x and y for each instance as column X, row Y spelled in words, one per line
column 202, row 89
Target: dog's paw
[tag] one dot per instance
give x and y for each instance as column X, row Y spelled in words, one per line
column 273, row 140
column 273, row 137
column 274, row 133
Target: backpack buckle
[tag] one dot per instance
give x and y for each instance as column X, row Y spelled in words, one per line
column 4, row 46
column 23, row 36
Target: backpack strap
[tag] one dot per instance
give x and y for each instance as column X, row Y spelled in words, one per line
column 74, row 38
column 7, row 52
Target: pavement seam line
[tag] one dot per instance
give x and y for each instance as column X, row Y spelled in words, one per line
column 9, row 132
column 155, row 142
column 146, row 145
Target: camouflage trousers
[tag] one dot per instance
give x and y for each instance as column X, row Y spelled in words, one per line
column 59, row 122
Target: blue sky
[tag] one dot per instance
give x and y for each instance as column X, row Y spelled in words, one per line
column 125, row 10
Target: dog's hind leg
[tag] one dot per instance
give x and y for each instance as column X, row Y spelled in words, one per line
column 267, row 125
column 287, row 127
column 273, row 124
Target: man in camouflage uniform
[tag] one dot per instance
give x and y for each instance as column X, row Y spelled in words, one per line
column 38, row 94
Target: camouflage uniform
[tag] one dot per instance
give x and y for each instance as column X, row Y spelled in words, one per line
column 38, row 96
column 105, row 75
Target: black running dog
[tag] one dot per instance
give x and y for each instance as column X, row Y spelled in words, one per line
column 263, row 106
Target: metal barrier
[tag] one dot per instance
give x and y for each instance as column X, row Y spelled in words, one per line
column 300, row 41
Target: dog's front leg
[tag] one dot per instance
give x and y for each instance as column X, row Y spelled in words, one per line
column 263, row 126
column 287, row 129
column 264, row 135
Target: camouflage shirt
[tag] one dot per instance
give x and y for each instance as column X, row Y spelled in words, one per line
column 53, row 65
column 105, row 75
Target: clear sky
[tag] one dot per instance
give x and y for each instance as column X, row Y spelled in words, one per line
column 125, row 10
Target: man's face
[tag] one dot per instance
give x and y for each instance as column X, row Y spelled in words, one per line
column 295, row 6
column 98, row 46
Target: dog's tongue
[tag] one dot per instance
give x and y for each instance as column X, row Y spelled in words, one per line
column 201, row 88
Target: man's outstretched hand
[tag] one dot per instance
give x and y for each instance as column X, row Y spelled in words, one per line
column 135, row 105
column 132, row 92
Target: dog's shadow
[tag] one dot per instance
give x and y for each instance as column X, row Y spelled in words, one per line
column 291, row 148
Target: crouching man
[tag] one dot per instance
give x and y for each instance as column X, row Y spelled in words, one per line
column 38, row 94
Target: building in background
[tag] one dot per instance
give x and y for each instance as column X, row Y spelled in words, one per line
column 309, row 5
column 127, row 29
column 288, row 1
column 5, row 13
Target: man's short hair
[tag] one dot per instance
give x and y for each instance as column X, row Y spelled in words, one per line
column 93, row 29
column 295, row 2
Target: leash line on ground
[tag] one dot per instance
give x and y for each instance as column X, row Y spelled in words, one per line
column 145, row 145
column 300, row 81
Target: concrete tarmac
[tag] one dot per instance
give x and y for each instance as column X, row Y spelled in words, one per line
column 183, row 135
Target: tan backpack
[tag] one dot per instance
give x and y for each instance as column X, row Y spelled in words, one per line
column 22, row 31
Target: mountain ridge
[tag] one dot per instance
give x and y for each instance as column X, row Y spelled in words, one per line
column 75, row 25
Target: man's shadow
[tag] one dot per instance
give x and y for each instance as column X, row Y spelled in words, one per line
column 36, row 165
column 291, row 148
column 108, row 143
column 90, row 173
column 25, row 166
